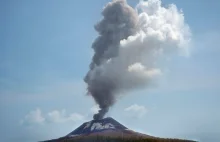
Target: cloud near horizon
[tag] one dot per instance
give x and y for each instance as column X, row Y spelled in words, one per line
column 33, row 117
column 136, row 110
column 56, row 116
column 37, row 117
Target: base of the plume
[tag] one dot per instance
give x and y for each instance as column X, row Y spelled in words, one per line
column 97, row 117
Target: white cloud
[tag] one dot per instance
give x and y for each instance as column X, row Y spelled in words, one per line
column 136, row 110
column 55, row 116
column 61, row 116
column 94, row 109
column 34, row 116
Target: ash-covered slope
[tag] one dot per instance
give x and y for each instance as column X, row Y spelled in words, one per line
column 107, row 127
column 95, row 126
column 104, row 127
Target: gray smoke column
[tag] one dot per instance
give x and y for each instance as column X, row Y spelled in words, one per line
column 129, row 46
column 119, row 22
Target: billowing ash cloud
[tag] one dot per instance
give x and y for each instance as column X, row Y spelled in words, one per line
column 129, row 46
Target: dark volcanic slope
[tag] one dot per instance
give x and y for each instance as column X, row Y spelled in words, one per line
column 105, row 128
column 95, row 126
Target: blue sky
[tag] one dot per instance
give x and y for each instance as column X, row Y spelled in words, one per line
column 45, row 53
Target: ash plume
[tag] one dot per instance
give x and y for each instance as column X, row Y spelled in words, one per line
column 129, row 46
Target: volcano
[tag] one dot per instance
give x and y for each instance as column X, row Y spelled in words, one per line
column 104, row 127
column 107, row 127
